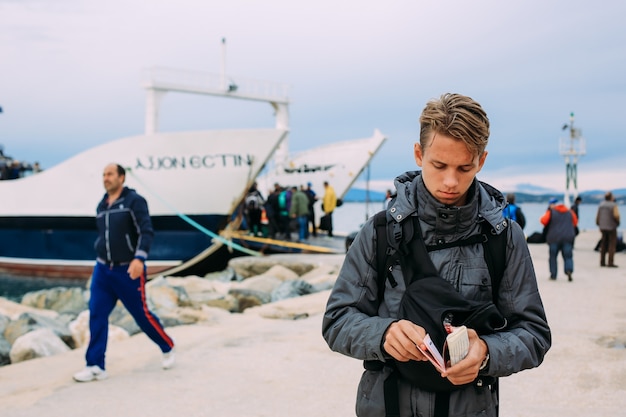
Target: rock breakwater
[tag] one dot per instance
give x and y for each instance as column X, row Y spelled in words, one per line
column 53, row 321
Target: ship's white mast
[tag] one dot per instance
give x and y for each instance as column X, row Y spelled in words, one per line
column 223, row 83
column 159, row 81
column 571, row 149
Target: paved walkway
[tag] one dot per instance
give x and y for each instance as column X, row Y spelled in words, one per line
column 244, row 365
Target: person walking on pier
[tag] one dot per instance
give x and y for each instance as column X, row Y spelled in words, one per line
column 125, row 235
column 607, row 219
column 561, row 223
column 329, row 203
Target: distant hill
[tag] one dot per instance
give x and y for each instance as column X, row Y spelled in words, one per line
column 589, row 197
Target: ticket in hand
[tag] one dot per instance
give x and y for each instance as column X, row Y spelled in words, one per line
column 455, row 348
column 457, row 344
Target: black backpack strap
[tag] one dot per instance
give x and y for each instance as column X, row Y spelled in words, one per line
column 417, row 264
column 494, row 248
column 472, row 240
column 386, row 254
column 495, row 257
column 380, row 224
column 385, row 257
column 392, row 395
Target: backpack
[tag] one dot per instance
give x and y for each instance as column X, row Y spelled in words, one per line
column 253, row 201
column 282, row 204
column 387, row 255
column 429, row 299
column 513, row 212
column 510, row 212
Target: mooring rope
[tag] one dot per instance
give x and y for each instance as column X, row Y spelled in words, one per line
column 193, row 222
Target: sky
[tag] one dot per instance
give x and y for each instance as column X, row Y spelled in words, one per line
column 71, row 74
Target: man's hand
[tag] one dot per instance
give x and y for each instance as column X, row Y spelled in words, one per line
column 135, row 269
column 466, row 370
column 401, row 340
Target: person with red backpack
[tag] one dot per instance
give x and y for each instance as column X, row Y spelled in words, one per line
column 561, row 223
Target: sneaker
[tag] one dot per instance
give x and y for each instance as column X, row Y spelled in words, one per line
column 569, row 276
column 90, row 373
column 169, row 358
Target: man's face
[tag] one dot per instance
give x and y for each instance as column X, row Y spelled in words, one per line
column 111, row 179
column 448, row 168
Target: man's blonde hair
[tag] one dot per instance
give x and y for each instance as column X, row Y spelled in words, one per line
column 457, row 116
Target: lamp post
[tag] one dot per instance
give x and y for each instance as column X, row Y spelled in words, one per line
column 571, row 149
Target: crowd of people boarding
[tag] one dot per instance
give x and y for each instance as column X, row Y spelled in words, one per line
column 287, row 210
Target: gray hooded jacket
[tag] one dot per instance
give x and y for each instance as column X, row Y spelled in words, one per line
column 355, row 320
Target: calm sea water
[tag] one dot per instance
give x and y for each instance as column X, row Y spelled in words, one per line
column 350, row 216
column 347, row 218
column 14, row 288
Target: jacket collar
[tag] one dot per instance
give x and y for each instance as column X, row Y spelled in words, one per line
column 485, row 203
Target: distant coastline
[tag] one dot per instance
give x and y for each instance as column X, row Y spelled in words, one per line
column 360, row 195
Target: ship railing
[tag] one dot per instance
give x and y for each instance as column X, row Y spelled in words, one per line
column 190, row 81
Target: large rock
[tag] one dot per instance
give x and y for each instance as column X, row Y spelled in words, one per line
column 261, row 283
column 254, row 291
column 162, row 298
column 5, row 346
column 321, row 282
column 194, row 284
column 291, row 289
column 4, row 321
column 321, row 270
column 120, row 317
column 5, row 351
column 280, row 272
column 13, row 310
column 28, row 322
column 36, row 344
column 226, row 275
column 228, row 303
column 200, row 292
column 59, row 299
column 248, row 266
column 184, row 315
column 293, row 308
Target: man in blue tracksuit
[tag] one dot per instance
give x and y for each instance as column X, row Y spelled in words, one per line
column 124, row 237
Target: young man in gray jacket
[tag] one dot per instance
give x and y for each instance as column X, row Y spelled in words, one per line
column 451, row 205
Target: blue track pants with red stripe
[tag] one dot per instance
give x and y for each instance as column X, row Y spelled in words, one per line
column 108, row 285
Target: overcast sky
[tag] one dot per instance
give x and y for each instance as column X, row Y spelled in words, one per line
column 71, row 72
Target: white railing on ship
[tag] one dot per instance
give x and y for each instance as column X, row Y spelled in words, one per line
column 171, row 78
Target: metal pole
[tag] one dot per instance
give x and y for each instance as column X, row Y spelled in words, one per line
column 223, row 64
column 367, row 193
column 571, row 149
